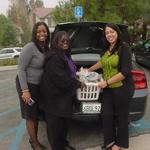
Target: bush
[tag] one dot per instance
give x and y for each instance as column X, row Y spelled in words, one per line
column 8, row 62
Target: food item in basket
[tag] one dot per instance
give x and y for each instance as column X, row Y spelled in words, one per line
column 93, row 77
column 86, row 76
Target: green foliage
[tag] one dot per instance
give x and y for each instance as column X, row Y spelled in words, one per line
column 63, row 13
column 26, row 36
column 17, row 13
column 92, row 11
column 7, row 32
column 39, row 3
column 8, row 62
column 133, row 13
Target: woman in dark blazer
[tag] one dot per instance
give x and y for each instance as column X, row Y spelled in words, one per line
column 58, row 86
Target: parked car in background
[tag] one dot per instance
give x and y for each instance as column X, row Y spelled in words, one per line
column 12, row 52
column 86, row 46
column 142, row 53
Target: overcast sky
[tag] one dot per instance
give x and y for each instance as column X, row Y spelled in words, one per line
column 47, row 3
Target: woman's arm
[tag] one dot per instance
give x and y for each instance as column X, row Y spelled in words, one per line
column 95, row 66
column 125, row 62
column 57, row 73
column 118, row 77
column 125, row 66
column 24, row 60
column 23, row 63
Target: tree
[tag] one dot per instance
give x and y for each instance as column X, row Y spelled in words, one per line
column 18, row 14
column 39, row 3
column 133, row 13
column 95, row 10
column 7, row 32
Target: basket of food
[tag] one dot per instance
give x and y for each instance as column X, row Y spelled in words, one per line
column 91, row 91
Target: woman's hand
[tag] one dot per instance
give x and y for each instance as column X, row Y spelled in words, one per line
column 26, row 96
column 83, row 85
column 88, row 70
column 95, row 67
column 102, row 84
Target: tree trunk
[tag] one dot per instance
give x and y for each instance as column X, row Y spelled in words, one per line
column 144, row 33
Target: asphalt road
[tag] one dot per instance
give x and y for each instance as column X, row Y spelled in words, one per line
column 147, row 113
column 13, row 136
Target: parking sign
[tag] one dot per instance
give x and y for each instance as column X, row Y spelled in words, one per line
column 78, row 12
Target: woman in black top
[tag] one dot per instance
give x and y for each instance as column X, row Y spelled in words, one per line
column 58, row 86
column 118, row 88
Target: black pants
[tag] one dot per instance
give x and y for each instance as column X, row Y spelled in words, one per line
column 57, row 128
column 115, row 109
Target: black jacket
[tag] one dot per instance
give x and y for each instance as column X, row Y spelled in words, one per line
column 125, row 66
column 58, row 87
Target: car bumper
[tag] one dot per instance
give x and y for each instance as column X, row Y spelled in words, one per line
column 137, row 110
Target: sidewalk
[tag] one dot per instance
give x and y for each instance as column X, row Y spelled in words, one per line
column 5, row 68
column 140, row 142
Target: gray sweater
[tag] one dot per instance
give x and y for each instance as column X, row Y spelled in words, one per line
column 30, row 65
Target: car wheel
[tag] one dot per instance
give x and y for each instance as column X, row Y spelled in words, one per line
column 16, row 57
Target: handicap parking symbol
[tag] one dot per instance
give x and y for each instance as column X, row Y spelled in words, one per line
column 78, row 11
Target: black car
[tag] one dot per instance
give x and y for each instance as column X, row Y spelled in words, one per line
column 142, row 52
column 86, row 47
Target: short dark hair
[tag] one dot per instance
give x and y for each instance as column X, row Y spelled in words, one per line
column 57, row 36
column 54, row 46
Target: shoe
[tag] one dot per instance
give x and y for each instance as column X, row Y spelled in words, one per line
column 107, row 148
column 30, row 141
column 42, row 146
column 68, row 147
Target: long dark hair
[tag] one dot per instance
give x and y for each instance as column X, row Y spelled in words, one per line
column 119, row 39
column 34, row 39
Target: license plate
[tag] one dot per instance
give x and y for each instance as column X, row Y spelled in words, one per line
column 91, row 108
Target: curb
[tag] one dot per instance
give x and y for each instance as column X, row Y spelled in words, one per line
column 6, row 68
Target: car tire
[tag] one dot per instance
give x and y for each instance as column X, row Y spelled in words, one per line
column 137, row 60
column 16, row 57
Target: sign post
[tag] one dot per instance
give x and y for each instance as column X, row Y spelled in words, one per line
column 78, row 12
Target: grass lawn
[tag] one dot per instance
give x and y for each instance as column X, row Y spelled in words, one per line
column 8, row 62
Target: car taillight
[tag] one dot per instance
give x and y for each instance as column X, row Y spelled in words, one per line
column 139, row 79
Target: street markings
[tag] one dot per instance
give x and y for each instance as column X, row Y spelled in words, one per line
column 9, row 111
column 139, row 127
column 19, row 130
column 19, row 136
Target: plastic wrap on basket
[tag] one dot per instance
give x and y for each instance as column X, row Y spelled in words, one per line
column 91, row 91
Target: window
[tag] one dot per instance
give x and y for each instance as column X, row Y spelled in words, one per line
column 10, row 51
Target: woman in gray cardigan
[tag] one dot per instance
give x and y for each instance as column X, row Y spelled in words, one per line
column 30, row 69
